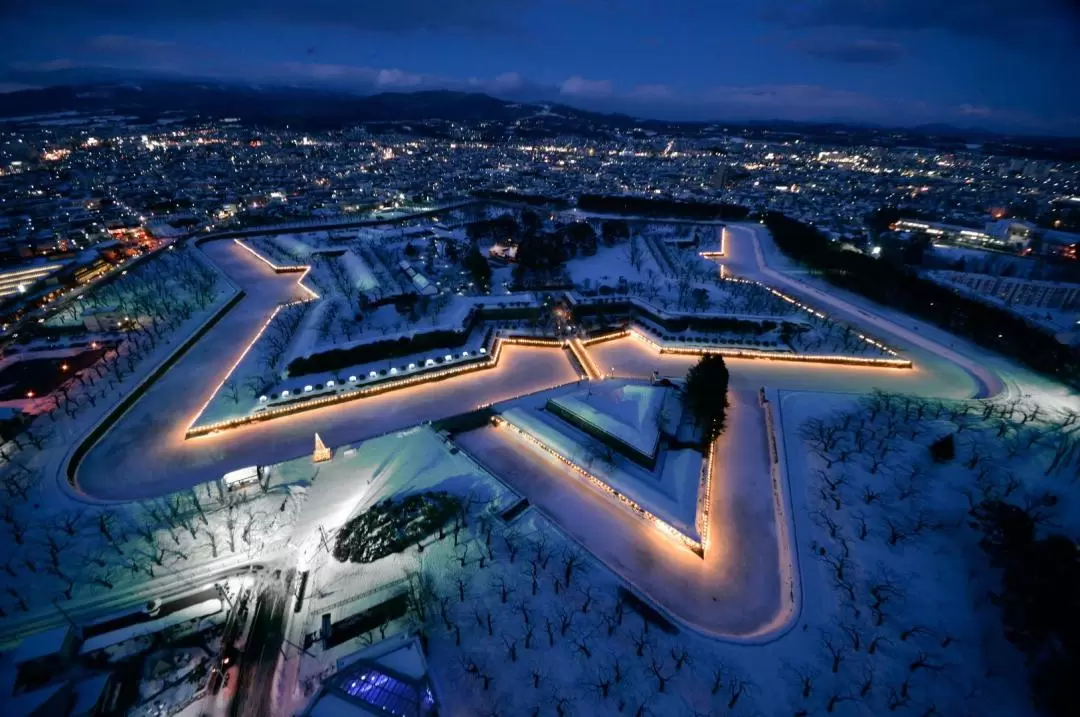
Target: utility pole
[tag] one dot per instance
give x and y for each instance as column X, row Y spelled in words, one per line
column 67, row 616
column 223, row 592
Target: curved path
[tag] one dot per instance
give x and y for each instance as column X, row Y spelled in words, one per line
column 145, row 453
column 736, row 591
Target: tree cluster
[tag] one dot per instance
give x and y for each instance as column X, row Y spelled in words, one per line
column 478, row 267
column 899, row 287
column 706, row 395
column 1039, row 599
column 391, row 526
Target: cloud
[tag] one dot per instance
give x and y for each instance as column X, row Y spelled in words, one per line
column 727, row 103
column 345, row 76
column 578, row 86
column 994, row 18
column 399, row 16
column 504, row 83
column 130, row 46
column 975, row 110
column 652, row 92
column 6, row 87
column 319, row 72
column 398, row 79
column 60, row 63
column 851, row 52
column 793, row 101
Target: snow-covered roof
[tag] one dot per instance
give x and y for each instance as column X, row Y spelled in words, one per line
column 30, row 703
column 108, row 639
column 88, row 693
column 41, row 644
column 387, row 678
column 628, row 412
column 360, row 274
column 670, row 491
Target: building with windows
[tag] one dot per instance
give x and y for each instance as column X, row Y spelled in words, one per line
column 18, row 280
column 389, row 679
column 1014, row 290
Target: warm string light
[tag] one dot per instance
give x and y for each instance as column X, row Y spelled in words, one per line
column 583, row 358
column 606, row 337
column 232, row 368
column 303, row 269
column 350, row 393
column 772, row 355
column 773, row 450
column 792, row 300
column 576, row 346
column 696, row 546
column 706, row 497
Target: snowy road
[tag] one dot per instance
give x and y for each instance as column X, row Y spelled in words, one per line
column 734, row 591
column 939, row 356
column 145, row 453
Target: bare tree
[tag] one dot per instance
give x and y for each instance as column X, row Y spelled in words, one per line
column 836, row 698
column 573, row 562
column 737, row 688
column 835, row 648
column 875, row 643
column 511, row 648
column 541, row 552
column 883, row 591
column 806, row 676
column 510, row 540
column 660, row 671
column 566, row 620
column 853, row 635
column 923, row 662
column 533, row 571
column 641, row 642
column 914, row 631
column 680, row 657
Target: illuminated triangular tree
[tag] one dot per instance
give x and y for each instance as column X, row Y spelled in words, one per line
column 322, row 453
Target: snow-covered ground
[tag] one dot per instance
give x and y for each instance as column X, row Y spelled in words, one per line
column 631, row 413
column 172, row 277
column 679, row 279
column 670, row 493
column 71, row 550
column 888, row 554
column 818, row 614
column 147, row 447
column 736, row 589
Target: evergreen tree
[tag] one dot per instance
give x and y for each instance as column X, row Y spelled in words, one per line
column 477, row 265
column 706, row 394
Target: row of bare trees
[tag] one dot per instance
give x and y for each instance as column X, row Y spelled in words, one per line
column 878, row 492
column 535, row 628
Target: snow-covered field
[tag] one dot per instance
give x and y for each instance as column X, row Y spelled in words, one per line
column 677, row 280
column 173, row 282
column 842, row 575
column 892, row 562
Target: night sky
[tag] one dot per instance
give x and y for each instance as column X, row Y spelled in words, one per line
column 999, row 64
